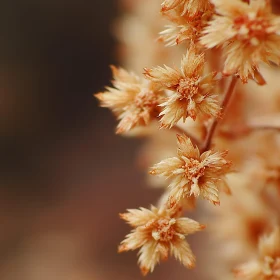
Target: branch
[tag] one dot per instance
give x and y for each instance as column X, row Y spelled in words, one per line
column 214, row 124
column 242, row 130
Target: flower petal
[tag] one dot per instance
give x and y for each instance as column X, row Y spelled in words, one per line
column 183, row 253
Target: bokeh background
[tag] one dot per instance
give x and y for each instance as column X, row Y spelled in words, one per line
column 64, row 174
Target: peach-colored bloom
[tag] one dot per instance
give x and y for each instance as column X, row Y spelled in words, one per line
column 248, row 33
column 192, row 91
column 186, row 6
column 185, row 28
column 134, row 101
column 248, row 211
column 267, row 265
column 192, row 173
column 157, row 232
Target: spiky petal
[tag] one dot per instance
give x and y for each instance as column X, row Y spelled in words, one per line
column 192, row 91
column 192, row 173
column 249, row 35
column 134, row 101
column 158, row 233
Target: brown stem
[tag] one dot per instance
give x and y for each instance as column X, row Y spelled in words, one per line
column 242, row 130
column 215, row 122
column 262, row 127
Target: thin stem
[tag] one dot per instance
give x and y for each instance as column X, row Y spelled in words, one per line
column 262, row 127
column 240, row 131
column 215, row 122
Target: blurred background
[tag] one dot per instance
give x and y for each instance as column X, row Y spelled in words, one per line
column 65, row 176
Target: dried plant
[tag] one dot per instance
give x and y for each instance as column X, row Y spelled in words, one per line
column 158, row 231
column 227, row 131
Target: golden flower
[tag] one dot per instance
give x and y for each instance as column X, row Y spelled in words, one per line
column 185, row 28
column 135, row 102
column 248, row 33
column 185, row 6
column 192, row 91
column 193, row 174
column 157, row 232
column 267, row 266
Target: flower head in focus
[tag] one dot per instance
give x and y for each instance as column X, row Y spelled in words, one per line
column 157, row 232
column 185, row 28
column 192, row 91
column 267, row 265
column 192, row 173
column 248, row 33
column 183, row 7
column 134, row 101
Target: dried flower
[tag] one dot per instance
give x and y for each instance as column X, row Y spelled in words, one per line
column 157, row 232
column 185, row 28
column 192, row 173
column 190, row 7
column 245, row 35
column 192, row 91
column 267, row 266
column 134, row 102
column 248, row 33
column 248, row 212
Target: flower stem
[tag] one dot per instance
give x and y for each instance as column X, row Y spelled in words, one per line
column 215, row 122
column 241, row 130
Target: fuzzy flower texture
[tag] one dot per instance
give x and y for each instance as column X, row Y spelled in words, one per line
column 188, row 18
column 248, row 33
column 192, row 173
column 157, row 232
column 267, row 265
column 192, row 92
column 190, row 7
column 134, row 101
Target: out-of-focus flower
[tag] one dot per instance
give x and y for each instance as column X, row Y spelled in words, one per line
column 192, row 173
column 267, row 265
column 183, row 7
column 136, row 52
column 134, row 101
column 248, row 33
column 192, row 91
column 157, row 232
column 251, row 221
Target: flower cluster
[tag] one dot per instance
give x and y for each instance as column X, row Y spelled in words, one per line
column 203, row 107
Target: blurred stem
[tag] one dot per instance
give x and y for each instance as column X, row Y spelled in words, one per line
column 241, row 130
column 215, row 122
